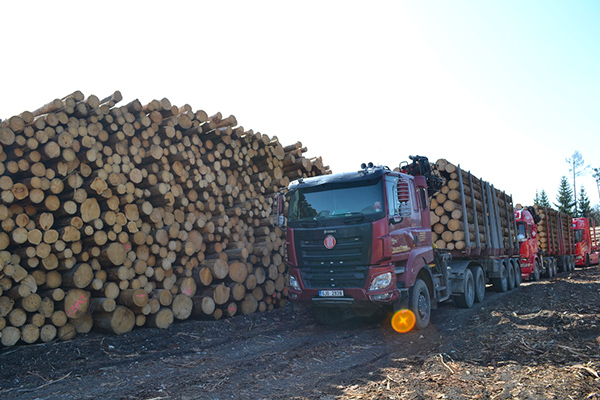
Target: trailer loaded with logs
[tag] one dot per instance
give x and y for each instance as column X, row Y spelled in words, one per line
column 376, row 239
column 136, row 215
column 547, row 241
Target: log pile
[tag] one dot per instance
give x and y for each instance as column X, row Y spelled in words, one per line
column 450, row 229
column 136, row 215
column 555, row 233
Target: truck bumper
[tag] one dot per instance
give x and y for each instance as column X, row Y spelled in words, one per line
column 346, row 297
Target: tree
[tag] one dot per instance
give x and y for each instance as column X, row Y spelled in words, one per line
column 543, row 200
column 595, row 214
column 577, row 168
column 565, row 197
column 596, row 176
column 584, row 208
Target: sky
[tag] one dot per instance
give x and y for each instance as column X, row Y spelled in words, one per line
column 507, row 89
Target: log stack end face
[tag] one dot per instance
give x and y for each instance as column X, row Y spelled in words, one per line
column 136, row 215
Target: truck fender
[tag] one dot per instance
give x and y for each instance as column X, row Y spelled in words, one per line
column 457, row 269
column 416, row 261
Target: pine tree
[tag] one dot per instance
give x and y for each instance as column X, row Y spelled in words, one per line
column 565, row 202
column 584, row 208
column 536, row 200
column 544, row 201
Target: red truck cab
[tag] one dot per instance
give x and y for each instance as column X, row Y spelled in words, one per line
column 359, row 241
column 527, row 237
column 586, row 248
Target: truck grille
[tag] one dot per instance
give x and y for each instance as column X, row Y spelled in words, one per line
column 345, row 265
column 334, row 276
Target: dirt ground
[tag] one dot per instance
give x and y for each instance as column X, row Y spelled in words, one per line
column 540, row 341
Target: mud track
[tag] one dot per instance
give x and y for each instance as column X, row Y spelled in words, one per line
column 540, row 341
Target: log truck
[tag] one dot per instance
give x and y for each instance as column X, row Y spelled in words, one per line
column 553, row 253
column 361, row 243
column 587, row 251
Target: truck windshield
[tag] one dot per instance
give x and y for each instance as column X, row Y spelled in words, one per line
column 350, row 201
column 578, row 235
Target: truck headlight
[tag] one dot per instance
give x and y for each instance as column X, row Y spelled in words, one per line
column 381, row 281
column 294, row 283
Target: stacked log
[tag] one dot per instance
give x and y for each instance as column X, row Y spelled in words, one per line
column 452, row 229
column 555, row 233
column 137, row 215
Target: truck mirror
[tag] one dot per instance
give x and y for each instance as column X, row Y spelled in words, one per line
column 279, row 208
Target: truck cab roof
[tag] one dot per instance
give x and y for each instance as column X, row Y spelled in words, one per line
column 355, row 176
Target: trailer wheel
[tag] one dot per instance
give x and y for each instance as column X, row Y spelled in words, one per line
column 518, row 276
column 536, row 271
column 511, row 276
column 501, row 284
column 479, row 279
column 555, row 266
column 566, row 267
column 467, row 298
column 548, row 273
column 420, row 304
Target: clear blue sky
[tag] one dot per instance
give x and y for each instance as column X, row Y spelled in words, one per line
column 508, row 89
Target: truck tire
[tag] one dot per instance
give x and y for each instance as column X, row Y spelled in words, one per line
column 587, row 260
column 565, row 267
column 518, row 276
column 501, row 284
column 536, row 271
column 467, row 297
column 511, row 276
column 479, row 280
column 555, row 266
column 420, row 304
column 548, row 272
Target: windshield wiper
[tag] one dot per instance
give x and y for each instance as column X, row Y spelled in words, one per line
column 353, row 217
column 311, row 222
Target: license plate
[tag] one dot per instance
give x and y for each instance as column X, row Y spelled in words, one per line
column 331, row 293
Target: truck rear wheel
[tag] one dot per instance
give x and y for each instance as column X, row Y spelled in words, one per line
column 467, row 297
column 511, row 276
column 420, row 304
column 536, row 271
column 518, row 276
column 587, row 260
column 501, row 284
column 479, row 279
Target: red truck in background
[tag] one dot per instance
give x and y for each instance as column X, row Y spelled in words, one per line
column 587, row 250
column 547, row 242
column 361, row 242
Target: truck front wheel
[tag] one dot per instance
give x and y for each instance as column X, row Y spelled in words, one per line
column 420, row 304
